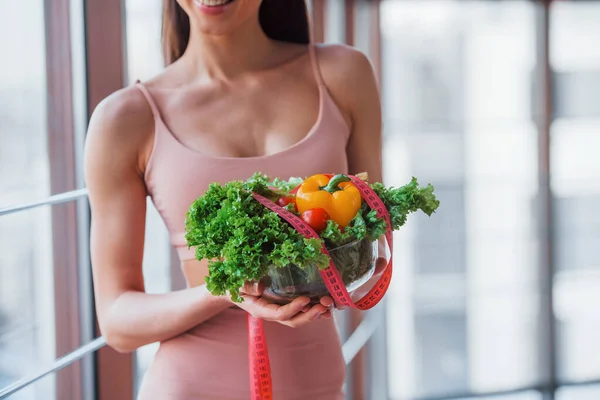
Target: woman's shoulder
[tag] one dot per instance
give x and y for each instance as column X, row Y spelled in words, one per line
column 123, row 116
column 348, row 75
column 121, row 128
column 339, row 62
column 125, row 108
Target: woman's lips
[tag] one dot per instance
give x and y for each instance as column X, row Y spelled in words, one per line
column 206, row 7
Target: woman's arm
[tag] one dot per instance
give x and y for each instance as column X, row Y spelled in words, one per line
column 120, row 132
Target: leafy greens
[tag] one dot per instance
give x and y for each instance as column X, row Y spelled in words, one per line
column 243, row 239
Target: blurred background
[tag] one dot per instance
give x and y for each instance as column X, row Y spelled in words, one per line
column 496, row 103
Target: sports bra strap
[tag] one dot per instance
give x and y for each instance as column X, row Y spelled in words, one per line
column 149, row 99
column 315, row 63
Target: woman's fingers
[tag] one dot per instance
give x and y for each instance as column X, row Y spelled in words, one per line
column 288, row 311
column 316, row 311
column 308, row 307
column 327, row 302
column 294, row 314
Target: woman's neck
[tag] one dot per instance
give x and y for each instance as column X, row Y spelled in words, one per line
column 225, row 56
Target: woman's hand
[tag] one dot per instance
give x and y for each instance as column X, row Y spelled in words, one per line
column 295, row 314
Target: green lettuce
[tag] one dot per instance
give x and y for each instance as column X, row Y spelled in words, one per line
column 243, row 239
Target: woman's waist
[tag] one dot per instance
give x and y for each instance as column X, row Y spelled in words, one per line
column 231, row 326
column 306, row 362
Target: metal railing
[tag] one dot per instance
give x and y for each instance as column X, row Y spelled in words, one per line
column 49, row 201
column 57, row 365
column 357, row 340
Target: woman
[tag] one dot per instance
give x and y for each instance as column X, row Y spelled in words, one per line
column 244, row 91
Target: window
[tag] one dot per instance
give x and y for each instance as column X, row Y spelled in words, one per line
column 529, row 395
column 465, row 301
column 575, row 61
column 26, row 275
column 584, row 392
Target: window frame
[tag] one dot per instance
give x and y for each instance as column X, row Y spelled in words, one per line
column 106, row 73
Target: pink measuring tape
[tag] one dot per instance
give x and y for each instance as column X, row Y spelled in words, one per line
column 260, row 372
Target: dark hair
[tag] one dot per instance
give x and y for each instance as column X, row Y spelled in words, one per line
column 283, row 20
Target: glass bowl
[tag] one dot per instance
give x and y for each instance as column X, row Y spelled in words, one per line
column 355, row 261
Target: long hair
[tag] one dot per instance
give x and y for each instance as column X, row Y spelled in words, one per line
column 282, row 20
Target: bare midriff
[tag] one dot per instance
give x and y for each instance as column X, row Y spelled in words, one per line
column 195, row 272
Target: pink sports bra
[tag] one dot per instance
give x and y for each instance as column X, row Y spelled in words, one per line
column 176, row 175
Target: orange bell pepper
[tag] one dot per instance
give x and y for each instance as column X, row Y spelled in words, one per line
column 336, row 195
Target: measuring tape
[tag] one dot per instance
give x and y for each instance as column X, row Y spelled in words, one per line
column 260, row 372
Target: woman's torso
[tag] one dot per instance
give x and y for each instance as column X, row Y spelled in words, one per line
column 300, row 131
column 286, row 125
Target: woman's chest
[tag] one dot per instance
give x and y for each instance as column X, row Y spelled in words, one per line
column 173, row 193
column 250, row 121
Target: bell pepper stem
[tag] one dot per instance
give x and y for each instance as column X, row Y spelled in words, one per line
column 332, row 186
